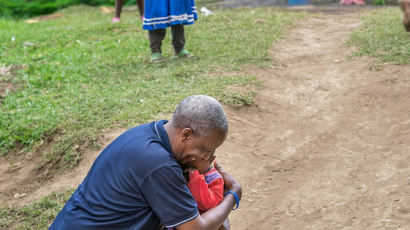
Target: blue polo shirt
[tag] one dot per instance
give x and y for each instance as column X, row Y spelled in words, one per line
column 135, row 183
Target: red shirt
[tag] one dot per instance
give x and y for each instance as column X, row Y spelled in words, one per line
column 207, row 189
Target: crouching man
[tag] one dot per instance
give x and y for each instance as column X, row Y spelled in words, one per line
column 137, row 181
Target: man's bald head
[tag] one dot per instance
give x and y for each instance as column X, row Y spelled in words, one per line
column 201, row 113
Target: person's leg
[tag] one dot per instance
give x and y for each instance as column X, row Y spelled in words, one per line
column 178, row 38
column 140, row 4
column 118, row 7
column 178, row 42
column 155, row 40
column 155, row 43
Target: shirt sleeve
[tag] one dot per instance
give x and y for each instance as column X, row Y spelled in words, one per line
column 207, row 190
column 166, row 192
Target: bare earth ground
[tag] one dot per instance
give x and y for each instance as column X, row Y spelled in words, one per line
column 327, row 145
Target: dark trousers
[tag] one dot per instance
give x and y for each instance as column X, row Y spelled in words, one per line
column 156, row 37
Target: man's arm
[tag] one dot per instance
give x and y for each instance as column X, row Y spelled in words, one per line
column 215, row 217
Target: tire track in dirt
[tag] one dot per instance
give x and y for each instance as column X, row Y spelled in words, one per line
column 327, row 143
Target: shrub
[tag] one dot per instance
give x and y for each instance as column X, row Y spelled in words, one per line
column 30, row 8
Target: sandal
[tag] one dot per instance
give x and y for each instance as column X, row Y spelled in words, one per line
column 184, row 54
column 115, row 20
column 156, row 58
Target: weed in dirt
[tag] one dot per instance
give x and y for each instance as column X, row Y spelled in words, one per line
column 84, row 75
column 382, row 36
column 37, row 215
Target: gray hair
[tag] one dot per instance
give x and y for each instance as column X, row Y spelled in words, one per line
column 200, row 113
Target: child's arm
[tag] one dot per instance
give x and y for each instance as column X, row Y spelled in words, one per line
column 207, row 189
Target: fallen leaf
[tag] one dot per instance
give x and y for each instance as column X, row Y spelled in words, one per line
column 106, row 10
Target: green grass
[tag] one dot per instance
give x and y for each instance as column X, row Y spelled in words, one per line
column 383, row 37
column 37, row 215
column 80, row 75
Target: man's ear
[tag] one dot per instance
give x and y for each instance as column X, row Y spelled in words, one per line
column 186, row 134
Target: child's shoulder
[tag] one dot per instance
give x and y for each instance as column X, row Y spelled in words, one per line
column 212, row 175
column 211, row 171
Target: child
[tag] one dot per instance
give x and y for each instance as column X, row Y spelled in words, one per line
column 118, row 8
column 207, row 189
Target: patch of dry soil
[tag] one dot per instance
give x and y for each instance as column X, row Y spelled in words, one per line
column 327, row 145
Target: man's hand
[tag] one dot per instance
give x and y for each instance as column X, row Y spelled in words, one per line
column 230, row 182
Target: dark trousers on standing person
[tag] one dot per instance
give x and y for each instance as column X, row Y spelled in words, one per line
column 157, row 36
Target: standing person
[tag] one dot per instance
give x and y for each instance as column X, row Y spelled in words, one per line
column 405, row 6
column 137, row 181
column 118, row 9
column 161, row 14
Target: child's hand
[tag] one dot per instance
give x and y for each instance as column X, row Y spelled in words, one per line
column 230, row 182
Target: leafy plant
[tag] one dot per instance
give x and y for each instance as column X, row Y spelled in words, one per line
column 379, row 2
column 30, row 8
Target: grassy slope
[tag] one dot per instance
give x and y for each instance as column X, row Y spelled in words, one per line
column 382, row 36
column 81, row 75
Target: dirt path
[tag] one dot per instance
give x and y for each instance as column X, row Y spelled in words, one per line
column 327, row 145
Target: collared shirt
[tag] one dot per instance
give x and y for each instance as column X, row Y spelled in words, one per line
column 135, row 183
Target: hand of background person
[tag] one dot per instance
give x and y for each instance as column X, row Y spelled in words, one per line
column 230, row 182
